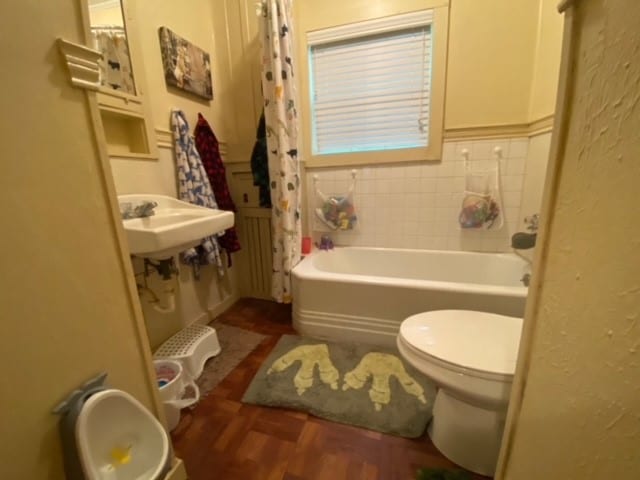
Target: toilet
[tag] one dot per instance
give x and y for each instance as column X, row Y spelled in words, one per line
column 471, row 357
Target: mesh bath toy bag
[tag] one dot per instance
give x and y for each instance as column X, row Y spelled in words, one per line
column 481, row 203
column 335, row 212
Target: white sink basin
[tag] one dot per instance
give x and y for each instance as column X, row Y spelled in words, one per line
column 175, row 226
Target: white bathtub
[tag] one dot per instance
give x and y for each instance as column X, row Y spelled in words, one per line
column 363, row 294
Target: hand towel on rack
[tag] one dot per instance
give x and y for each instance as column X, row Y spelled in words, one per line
column 194, row 187
column 260, row 164
column 209, row 150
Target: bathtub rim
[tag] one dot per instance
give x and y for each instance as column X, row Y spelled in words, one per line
column 305, row 270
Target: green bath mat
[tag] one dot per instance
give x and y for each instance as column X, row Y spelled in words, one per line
column 354, row 384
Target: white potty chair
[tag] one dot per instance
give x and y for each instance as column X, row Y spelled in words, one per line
column 118, row 438
column 471, row 357
column 109, row 435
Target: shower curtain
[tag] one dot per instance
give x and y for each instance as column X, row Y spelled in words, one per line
column 280, row 104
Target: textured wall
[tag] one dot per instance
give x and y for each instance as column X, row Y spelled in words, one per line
column 580, row 415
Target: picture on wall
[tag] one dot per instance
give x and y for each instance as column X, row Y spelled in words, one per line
column 185, row 66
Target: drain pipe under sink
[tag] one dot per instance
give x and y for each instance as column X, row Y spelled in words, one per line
column 168, row 292
column 166, row 269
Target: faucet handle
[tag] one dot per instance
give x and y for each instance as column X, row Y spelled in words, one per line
column 532, row 222
column 126, row 210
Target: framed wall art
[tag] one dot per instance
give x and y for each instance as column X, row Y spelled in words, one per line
column 185, row 66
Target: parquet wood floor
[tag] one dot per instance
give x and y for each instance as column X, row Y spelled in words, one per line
column 224, row 439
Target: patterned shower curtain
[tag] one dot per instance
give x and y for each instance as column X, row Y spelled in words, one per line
column 280, row 103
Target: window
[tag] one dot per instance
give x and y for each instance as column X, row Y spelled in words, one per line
column 371, row 86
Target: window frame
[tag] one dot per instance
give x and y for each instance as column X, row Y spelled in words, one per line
column 438, row 19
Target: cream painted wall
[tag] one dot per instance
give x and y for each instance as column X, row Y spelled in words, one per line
column 546, row 61
column 195, row 24
column 490, row 71
column 490, row 60
column 67, row 313
column 110, row 15
column 313, row 15
column 237, row 56
column 580, row 410
column 197, row 299
column 490, row 66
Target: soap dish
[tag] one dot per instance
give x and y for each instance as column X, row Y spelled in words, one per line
column 192, row 347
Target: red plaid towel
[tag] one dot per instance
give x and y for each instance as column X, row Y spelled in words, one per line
column 207, row 146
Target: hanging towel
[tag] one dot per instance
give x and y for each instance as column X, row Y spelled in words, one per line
column 208, row 148
column 260, row 164
column 194, row 187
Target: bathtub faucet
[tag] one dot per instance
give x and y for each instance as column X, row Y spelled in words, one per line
column 523, row 240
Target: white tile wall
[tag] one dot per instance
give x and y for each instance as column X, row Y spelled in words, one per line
column 417, row 205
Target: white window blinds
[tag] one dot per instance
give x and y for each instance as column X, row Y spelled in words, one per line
column 371, row 91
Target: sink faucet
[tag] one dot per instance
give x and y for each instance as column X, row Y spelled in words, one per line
column 144, row 209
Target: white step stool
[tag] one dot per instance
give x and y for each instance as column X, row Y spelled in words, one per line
column 192, row 347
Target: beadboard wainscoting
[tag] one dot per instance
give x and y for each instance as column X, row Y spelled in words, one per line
column 417, row 205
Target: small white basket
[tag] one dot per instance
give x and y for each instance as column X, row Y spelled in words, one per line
column 173, row 383
column 192, row 347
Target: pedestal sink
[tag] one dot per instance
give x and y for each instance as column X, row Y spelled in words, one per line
column 174, row 227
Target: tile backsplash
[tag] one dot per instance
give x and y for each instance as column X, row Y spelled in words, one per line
column 417, row 205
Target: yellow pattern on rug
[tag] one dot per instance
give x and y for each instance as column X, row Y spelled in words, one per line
column 382, row 366
column 309, row 356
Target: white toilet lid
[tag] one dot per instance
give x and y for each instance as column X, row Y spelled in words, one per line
column 480, row 341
